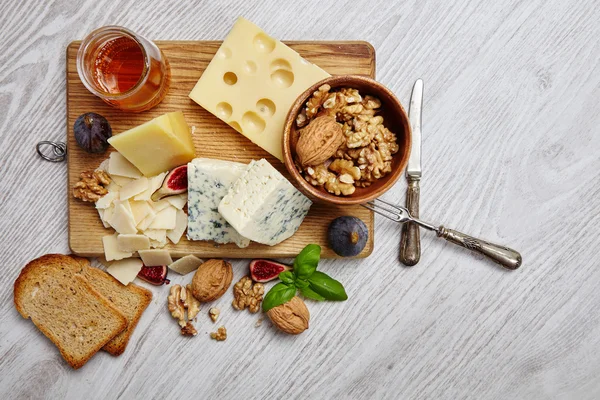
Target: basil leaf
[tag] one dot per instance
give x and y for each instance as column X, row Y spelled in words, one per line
column 301, row 283
column 287, row 277
column 306, row 262
column 327, row 287
column 311, row 294
column 279, row 294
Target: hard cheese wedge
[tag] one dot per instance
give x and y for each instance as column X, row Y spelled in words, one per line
column 158, row 145
column 208, row 182
column 252, row 82
column 263, row 206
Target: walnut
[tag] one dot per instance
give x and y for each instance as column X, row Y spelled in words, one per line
column 337, row 187
column 319, row 141
column 367, row 147
column 247, row 295
column 190, row 303
column 318, row 175
column 211, row 280
column 316, row 101
column 175, row 306
column 189, row 330
column 213, row 313
column 220, row 335
column 180, row 299
column 91, row 185
column 346, row 169
column 291, row 317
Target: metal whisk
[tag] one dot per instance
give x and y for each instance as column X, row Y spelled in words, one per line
column 508, row 258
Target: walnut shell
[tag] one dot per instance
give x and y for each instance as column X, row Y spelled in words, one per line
column 291, row 317
column 319, row 140
column 211, row 280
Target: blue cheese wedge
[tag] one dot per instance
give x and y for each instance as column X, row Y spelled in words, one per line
column 208, row 182
column 263, row 206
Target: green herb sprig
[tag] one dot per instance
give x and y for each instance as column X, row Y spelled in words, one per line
column 305, row 278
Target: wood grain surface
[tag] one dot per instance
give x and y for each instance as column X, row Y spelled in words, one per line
column 212, row 138
column 511, row 146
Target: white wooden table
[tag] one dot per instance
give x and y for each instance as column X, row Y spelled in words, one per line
column 511, row 154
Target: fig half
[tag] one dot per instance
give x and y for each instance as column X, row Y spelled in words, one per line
column 266, row 270
column 175, row 182
column 154, row 275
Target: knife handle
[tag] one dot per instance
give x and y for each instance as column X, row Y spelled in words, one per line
column 410, row 241
column 508, row 258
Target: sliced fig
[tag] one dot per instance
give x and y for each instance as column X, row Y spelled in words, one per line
column 266, row 270
column 154, row 275
column 175, row 182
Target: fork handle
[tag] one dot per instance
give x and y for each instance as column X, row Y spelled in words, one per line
column 508, row 258
column 410, row 241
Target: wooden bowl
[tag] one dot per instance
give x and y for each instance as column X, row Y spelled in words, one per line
column 394, row 118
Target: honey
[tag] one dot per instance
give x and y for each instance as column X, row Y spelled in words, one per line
column 123, row 69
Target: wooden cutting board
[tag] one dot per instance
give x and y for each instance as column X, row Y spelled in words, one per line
column 213, row 138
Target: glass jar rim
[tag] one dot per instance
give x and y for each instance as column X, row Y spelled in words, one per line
column 84, row 48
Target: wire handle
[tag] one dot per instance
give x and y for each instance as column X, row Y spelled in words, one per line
column 59, row 150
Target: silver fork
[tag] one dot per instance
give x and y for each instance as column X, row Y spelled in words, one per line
column 508, row 258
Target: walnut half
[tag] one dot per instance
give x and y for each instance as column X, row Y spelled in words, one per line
column 247, row 295
column 91, row 185
column 180, row 299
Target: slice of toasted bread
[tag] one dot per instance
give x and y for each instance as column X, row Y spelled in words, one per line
column 61, row 302
column 131, row 300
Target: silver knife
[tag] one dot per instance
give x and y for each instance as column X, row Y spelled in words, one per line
column 410, row 242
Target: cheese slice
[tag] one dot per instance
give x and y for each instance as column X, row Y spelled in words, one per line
column 145, row 223
column 178, row 201
column 155, row 258
column 264, row 206
column 158, row 235
column 140, row 210
column 181, row 220
column 158, row 145
column 120, row 181
column 252, row 82
column 131, row 189
column 165, row 219
column 132, row 243
column 208, row 182
column 125, row 271
column 118, row 165
column 153, row 185
column 186, row 264
column 107, row 200
column 111, row 249
column 122, row 219
column 101, row 213
column 160, row 205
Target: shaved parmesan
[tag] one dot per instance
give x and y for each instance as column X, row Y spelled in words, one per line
column 118, row 165
column 165, row 219
column 181, row 220
column 133, row 188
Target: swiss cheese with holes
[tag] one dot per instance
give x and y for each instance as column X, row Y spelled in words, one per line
column 252, row 82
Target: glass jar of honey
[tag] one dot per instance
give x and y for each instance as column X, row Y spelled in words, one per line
column 125, row 70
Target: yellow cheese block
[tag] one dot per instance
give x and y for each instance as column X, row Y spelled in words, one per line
column 158, row 145
column 252, row 82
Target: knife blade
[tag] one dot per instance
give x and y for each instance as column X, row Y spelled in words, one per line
column 410, row 242
column 415, row 117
